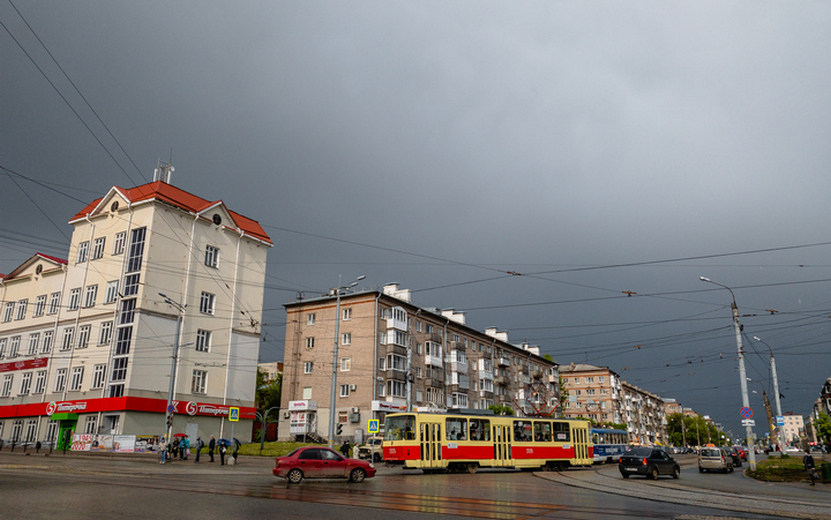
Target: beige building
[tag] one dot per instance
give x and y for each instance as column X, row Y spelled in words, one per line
column 600, row 394
column 86, row 343
column 396, row 356
column 794, row 428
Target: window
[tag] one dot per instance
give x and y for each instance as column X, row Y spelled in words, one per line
column 307, row 392
column 344, row 390
column 98, row 373
column 203, row 340
column 382, row 364
column 399, row 389
column 98, row 248
column 54, row 302
column 116, row 391
column 14, row 346
column 200, row 382
column 68, row 335
column 346, row 338
column 90, row 424
column 77, row 378
column 119, row 369
column 26, row 383
column 124, row 336
column 112, row 292
column 136, row 250
column 40, row 382
column 40, row 306
column 74, row 299
column 46, row 348
column 60, row 379
column 105, row 334
column 83, row 251
column 418, row 326
column 90, row 295
column 428, row 329
column 395, row 362
column 207, row 303
column 8, row 311
column 118, row 242
column 347, row 314
column 6, row 390
column 211, row 256
column 310, row 319
column 343, row 417
column 128, row 311
column 83, row 336
column 34, row 338
column 308, row 367
column 345, row 364
column 21, row 309
column 310, row 343
column 131, row 285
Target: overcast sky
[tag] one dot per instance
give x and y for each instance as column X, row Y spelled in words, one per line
column 594, row 148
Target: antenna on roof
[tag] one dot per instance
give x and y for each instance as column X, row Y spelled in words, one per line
column 163, row 171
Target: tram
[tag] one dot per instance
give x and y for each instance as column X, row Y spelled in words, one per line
column 609, row 444
column 467, row 441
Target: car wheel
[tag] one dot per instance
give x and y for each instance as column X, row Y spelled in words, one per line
column 676, row 473
column 701, row 470
column 654, row 473
column 472, row 467
column 377, row 457
column 295, row 476
column 357, row 475
column 730, row 470
column 624, row 475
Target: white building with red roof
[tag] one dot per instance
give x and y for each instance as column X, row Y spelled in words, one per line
column 86, row 343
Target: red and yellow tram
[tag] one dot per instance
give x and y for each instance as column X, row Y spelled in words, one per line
column 466, row 441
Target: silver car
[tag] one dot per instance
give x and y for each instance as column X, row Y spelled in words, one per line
column 713, row 458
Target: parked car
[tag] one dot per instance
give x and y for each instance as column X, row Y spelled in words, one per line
column 650, row 462
column 735, row 455
column 319, row 462
column 712, row 458
column 742, row 452
column 372, row 449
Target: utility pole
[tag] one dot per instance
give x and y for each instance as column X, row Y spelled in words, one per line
column 751, row 444
column 172, row 388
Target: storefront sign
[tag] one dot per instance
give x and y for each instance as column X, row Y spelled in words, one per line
column 24, row 364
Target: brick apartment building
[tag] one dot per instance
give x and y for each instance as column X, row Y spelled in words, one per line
column 396, row 356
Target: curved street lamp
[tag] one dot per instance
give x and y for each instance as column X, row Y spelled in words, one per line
column 742, row 372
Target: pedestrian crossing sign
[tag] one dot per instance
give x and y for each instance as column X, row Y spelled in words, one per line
column 233, row 414
column 373, row 426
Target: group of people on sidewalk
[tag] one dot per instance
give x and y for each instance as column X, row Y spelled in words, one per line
column 180, row 447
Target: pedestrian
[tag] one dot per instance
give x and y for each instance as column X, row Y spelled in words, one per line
column 808, row 462
column 185, row 447
column 236, row 450
column 175, row 448
column 199, row 445
column 345, row 448
column 222, row 450
column 162, row 450
column 211, row 447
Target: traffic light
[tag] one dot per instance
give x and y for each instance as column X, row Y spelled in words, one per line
column 340, row 428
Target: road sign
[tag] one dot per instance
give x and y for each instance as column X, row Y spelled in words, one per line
column 171, row 409
column 748, row 422
column 780, row 420
column 746, row 412
column 233, row 414
column 373, row 426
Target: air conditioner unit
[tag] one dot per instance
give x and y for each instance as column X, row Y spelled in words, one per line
column 353, row 387
column 379, row 379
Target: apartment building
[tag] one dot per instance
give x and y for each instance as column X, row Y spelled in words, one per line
column 86, row 342
column 794, row 428
column 395, row 356
column 600, row 394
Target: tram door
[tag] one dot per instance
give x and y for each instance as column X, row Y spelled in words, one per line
column 430, row 435
column 502, row 445
column 581, row 443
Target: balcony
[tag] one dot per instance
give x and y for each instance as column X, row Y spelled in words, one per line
column 503, row 361
column 433, row 360
column 502, row 380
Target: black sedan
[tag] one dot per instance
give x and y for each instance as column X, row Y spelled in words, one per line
column 651, row 462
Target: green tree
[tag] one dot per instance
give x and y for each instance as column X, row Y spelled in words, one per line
column 823, row 427
column 563, row 396
column 501, row 409
column 268, row 392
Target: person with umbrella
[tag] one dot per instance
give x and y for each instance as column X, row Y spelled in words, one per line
column 223, row 448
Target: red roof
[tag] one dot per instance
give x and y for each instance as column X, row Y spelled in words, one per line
column 174, row 196
column 53, row 258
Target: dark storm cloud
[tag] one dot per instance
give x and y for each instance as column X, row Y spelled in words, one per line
column 533, row 137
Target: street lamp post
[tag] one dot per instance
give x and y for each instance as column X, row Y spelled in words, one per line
column 775, row 393
column 333, row 395
column 172, row 387
column 751, row 445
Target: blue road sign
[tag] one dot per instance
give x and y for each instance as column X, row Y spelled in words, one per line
column 233, row 414
column 373, row 426
column 747, row 413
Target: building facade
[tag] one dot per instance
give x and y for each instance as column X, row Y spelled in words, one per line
column 600, row 394
column 395, row 356
column 86, row 343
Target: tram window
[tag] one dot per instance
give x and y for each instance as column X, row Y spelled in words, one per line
column 542, row 431
column 480, row 430
column 399, row 428
column 562, row 432
column 456, row 429
column 595, row 438
column 522, row 431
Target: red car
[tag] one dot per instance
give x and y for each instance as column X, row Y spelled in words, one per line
column 318, row 462
column 742, row 452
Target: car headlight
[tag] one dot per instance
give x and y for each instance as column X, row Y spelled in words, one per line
column 371, row 465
